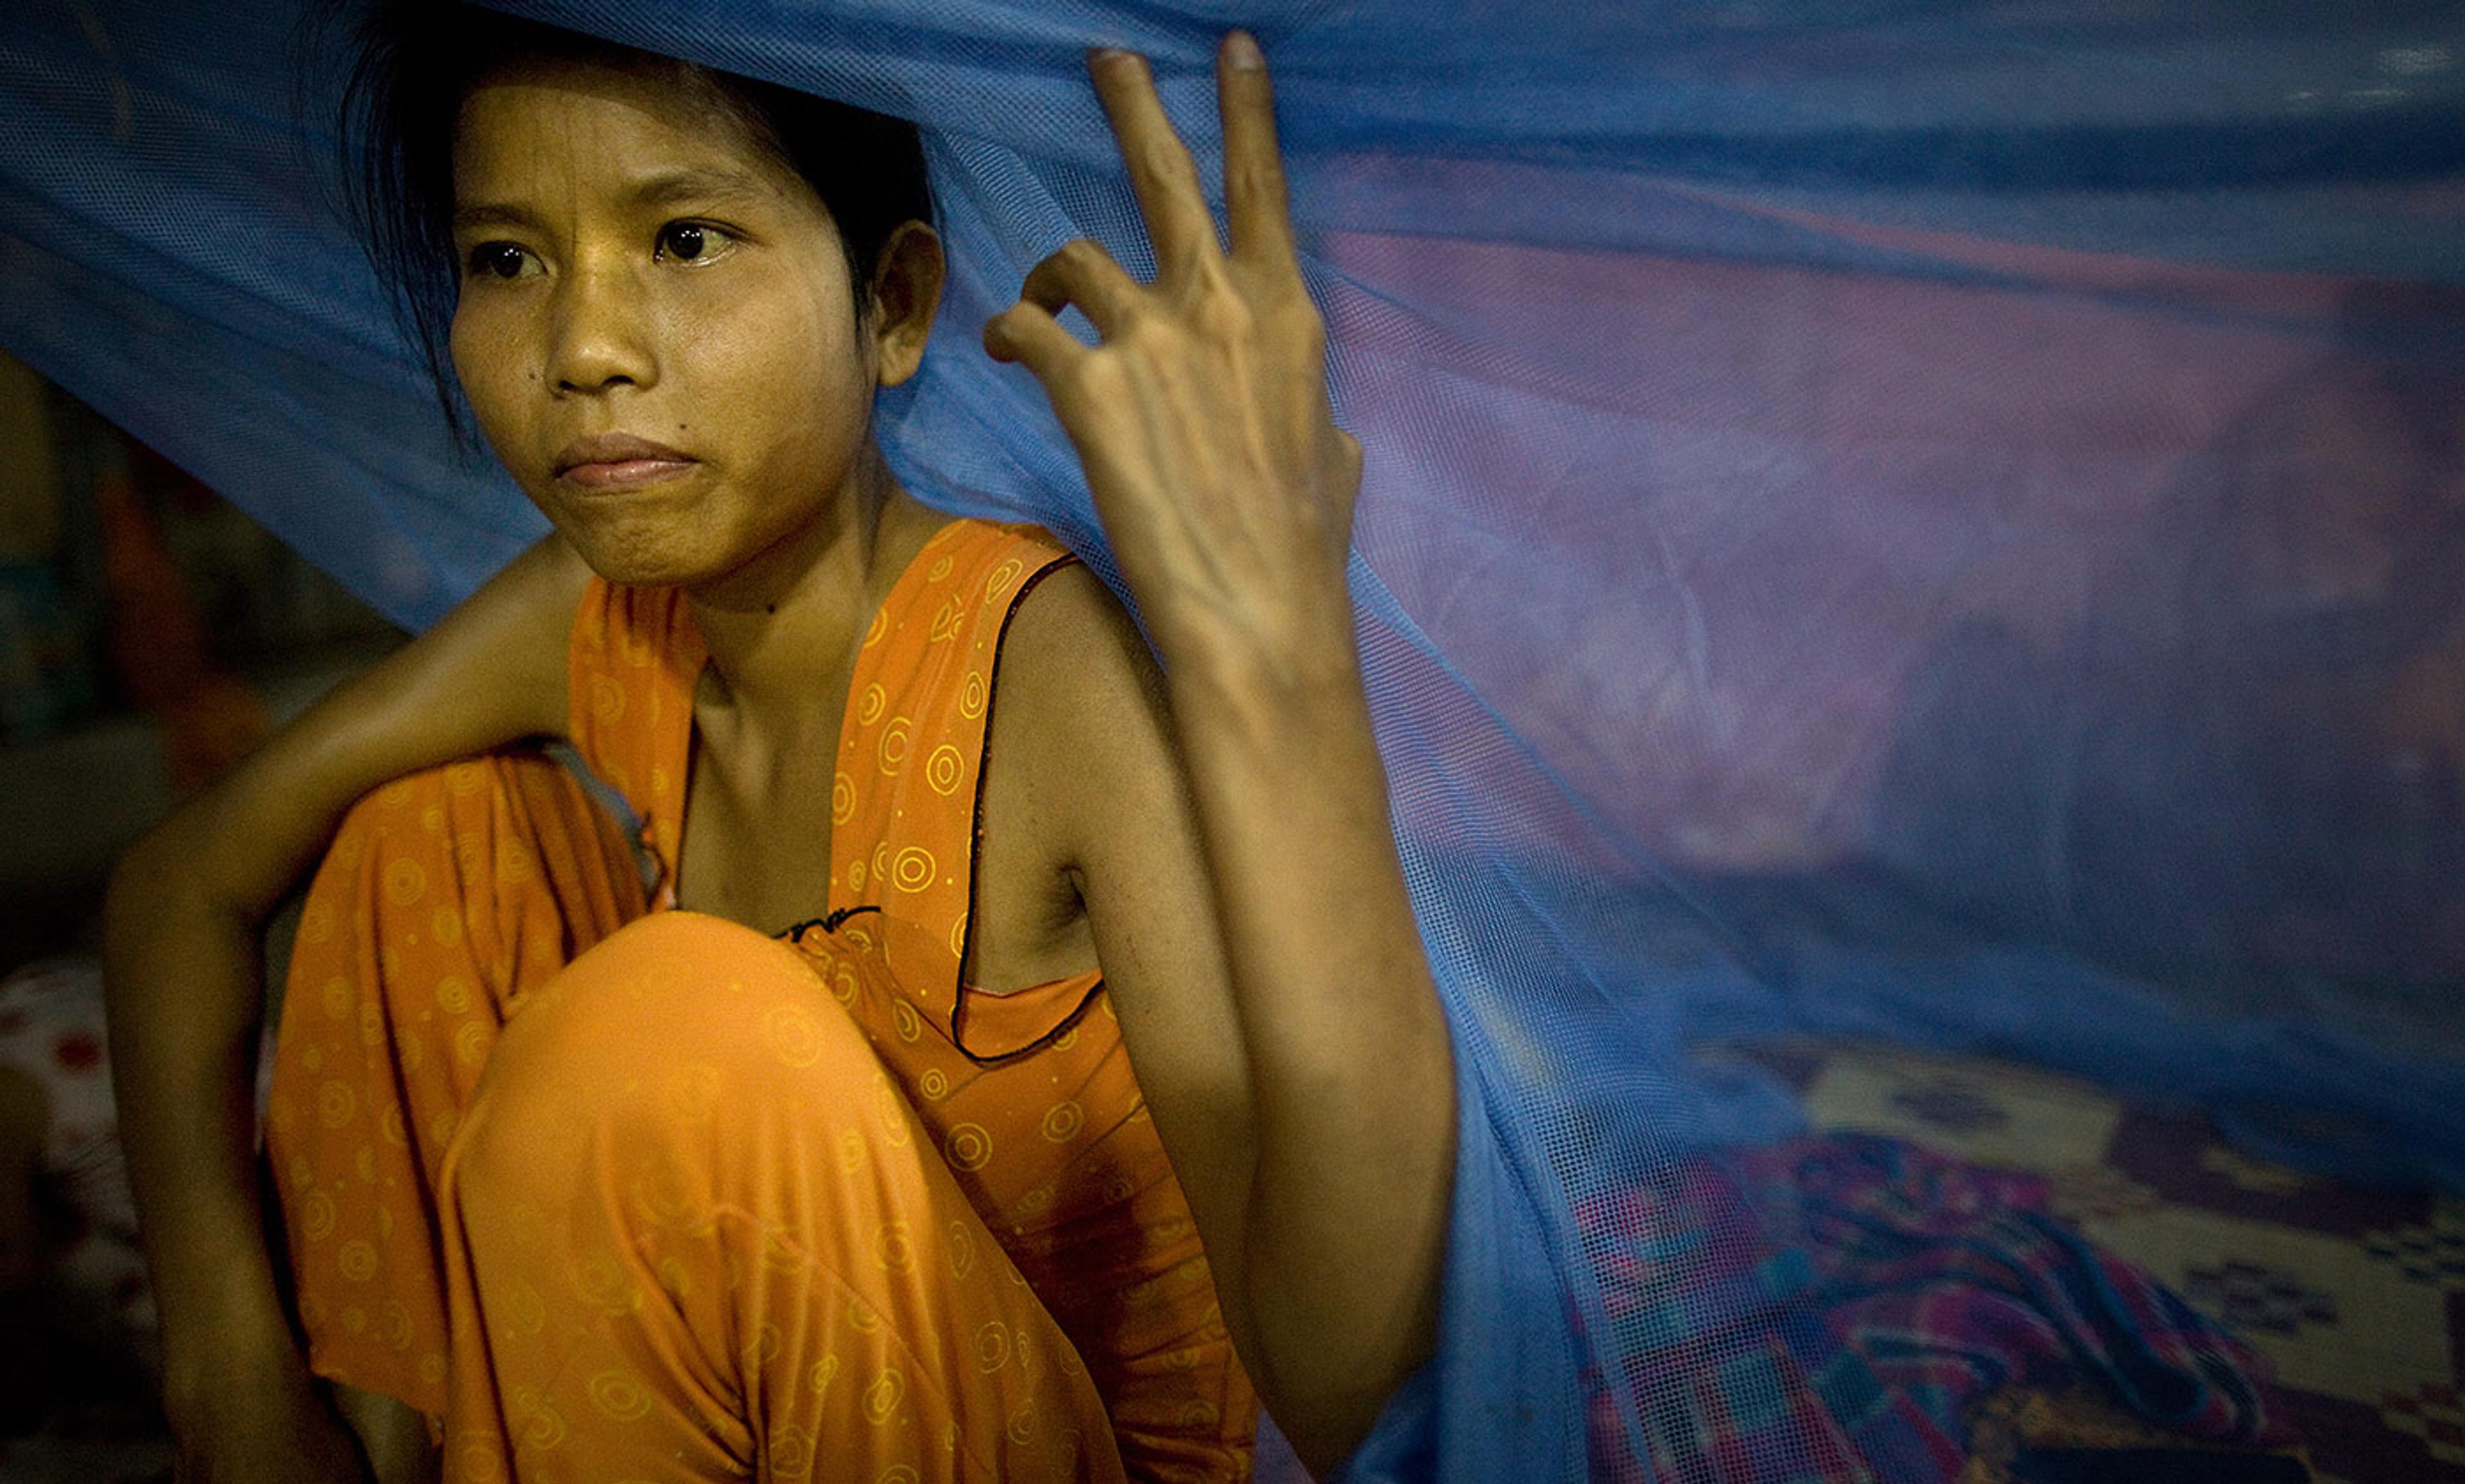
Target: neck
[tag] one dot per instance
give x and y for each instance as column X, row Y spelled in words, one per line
column 778, row 625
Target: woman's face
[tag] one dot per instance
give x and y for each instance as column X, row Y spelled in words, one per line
column 654, row 325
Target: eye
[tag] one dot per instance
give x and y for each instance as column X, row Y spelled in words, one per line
column 692, row 242
column 502, row 260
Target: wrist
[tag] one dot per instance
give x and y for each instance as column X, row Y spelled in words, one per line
column 235, row 1341
column 1249, row 625
column 1271, row 696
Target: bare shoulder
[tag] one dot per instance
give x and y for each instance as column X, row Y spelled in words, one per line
column 1075, row 672
column 1083, row 708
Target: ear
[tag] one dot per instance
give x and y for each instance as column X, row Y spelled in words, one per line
column 906, row 293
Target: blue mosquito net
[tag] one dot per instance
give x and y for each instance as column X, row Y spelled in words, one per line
column 1941, row 522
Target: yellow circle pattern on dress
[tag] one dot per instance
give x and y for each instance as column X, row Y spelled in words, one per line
column 968, row 1147
column 393, row 1324
column 406, row 881
column 993, row 1345
column 914, row 869
column 524, row 1309
column 619, row 1395
column 317, row 1216
column 897, row 737
column 791, row 1451
column 1062, row 1121
column 881, row 1399
column 999, row 582
column 545, row 1428
column 892, row 1249
column 794, row 1034
column 946, row 769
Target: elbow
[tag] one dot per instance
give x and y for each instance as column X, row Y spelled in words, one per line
column 137, row 879
column 163, row 883
column 132, row 906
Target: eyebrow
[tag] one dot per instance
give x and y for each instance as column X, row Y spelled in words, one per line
column 668, row 188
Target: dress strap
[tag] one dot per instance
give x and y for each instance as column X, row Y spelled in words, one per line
column 630, row 669
column 906, row 801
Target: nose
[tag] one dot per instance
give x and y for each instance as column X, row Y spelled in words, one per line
column 599, row 336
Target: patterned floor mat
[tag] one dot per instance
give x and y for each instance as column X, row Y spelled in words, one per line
column 2357, row 1296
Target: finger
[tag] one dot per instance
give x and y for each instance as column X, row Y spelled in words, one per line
column 1254, row 198
column 1084, row 274
column 1162, row 174
column 1029, row 336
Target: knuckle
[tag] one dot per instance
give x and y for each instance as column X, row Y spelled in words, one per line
column 1252, row 178
column 1167, row 161
column 1217, row 300
column 1099, row 377
column 1148, row 339
column 1074, row 263
column 1226, row 315
column 1294, row 320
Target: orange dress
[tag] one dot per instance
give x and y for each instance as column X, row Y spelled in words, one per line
column 610, row 1196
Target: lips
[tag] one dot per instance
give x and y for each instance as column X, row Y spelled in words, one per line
column 617, row 461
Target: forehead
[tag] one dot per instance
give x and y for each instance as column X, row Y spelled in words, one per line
column 590, row 126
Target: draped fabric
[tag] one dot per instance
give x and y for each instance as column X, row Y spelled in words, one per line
column 1933, row 521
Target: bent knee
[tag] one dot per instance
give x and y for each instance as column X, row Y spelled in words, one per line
column 674, row 1023
column 678, row 985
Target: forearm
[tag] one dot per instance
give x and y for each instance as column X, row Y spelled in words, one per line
column 1349, row 1061
column 182, row 975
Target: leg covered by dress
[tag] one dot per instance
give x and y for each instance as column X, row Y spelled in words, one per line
column 653, row 1196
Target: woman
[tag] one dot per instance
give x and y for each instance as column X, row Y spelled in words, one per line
column 664, row 335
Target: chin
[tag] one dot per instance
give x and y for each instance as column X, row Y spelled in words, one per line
column 641, row 549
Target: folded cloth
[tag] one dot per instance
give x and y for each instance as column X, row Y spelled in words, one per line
column 1856, row 1297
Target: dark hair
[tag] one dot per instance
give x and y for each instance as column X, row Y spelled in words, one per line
column 415, row 62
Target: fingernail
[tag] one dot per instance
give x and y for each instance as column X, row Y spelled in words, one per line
column 1104, row 54
column 1241, row 49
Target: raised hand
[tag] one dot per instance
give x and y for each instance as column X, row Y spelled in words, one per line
column 1202, row 418
column 1202, row 422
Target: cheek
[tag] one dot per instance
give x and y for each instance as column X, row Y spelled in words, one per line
column 793, row 357
column 483, row 365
